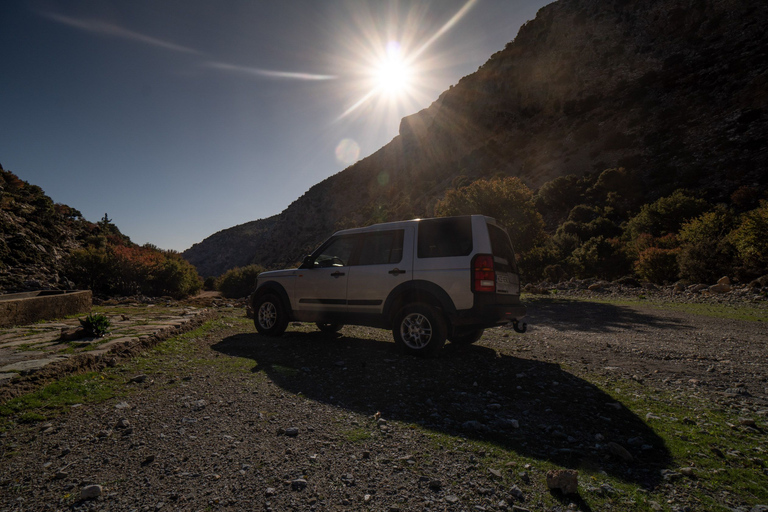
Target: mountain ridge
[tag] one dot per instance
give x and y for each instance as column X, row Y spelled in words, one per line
column 673, row 90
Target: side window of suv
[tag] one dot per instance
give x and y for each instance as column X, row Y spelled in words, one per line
column 443, row 238
column 382, row 248
column 336, row 253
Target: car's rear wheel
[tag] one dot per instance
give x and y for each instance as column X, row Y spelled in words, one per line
column 419, row 329
column 270, row 316
column 467, row 337
column 329, row 327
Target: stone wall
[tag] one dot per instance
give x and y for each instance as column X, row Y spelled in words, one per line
column 28, row 308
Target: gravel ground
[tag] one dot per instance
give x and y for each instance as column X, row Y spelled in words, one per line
column 236, row 421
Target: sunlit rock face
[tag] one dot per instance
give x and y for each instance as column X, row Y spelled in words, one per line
column 674, row 90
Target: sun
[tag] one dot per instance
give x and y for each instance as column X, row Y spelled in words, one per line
column 392, row 75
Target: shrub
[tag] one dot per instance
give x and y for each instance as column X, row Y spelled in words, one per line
column 751, row 241
column 129, row 269
column 97, row 325
column 665, row 215
column 658, row 265
column 174, row 276
column 706, row 254
column 239, row 282
column 600, row 257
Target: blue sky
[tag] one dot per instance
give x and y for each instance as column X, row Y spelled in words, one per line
column 180, row 118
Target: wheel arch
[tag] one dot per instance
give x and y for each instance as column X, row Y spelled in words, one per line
column 277, row 289
column 418, row 291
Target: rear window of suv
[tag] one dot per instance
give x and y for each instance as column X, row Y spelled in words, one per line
column 503, row 255
column 444, row 238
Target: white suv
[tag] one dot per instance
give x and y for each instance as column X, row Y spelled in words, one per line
column 426, row 279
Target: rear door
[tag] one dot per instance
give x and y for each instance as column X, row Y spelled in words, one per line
column 507, row 277
column 384, row 261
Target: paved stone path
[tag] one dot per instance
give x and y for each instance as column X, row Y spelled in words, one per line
column 27, row 349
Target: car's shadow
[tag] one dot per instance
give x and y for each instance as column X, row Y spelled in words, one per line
column 533, row 408
column 584, row 316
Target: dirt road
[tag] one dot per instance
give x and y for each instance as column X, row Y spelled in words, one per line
column 655, row 409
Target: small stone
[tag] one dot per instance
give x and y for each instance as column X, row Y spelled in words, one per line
column 138, row 379
column 566, row 480
column 495, row 473
column 122, row 423
column 270, row 491
column 669, row 475
column 292, row 431
column 689, row 472
column 90, row 491
column 516, row 492
column 435, row 485
column 749, row 422
column 299, row 484
column 475, row 425
column 451, row 498
column 651, row 416
column 620, row 452
column 122, row 405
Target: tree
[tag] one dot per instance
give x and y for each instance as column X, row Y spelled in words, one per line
column 706, row 253
column 508, row 200
column 666, row 215
column 751, row 241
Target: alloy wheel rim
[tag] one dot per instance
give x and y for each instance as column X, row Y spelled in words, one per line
column 416, row 331
column 267, row 315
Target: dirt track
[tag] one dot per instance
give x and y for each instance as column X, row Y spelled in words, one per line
column 310, row 422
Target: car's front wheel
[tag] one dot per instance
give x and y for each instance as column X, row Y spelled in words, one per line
column 419, row 329
column 270, row 316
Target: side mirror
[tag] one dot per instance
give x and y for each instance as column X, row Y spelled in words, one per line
column 307, row 263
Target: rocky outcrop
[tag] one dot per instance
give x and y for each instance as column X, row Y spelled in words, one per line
column 674, row 90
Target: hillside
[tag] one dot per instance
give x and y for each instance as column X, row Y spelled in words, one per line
column 50, row 246
column 674, row 91
column 35, row 236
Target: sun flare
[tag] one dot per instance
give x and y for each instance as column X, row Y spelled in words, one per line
column 393, row 75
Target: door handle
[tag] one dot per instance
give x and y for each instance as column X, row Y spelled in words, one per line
column 396, row 271
column 338, row 274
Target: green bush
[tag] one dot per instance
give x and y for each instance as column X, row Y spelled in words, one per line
column 175, row 277
column 239, row 282
column 658, row 265
column 600, row 257
column 706, row 253
column 97, row 325
column 665, row 215
column 750, row 239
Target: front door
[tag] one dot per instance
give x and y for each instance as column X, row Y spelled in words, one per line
column 323, row 288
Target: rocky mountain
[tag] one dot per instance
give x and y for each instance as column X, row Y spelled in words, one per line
column 35, row 236
column 674, row 90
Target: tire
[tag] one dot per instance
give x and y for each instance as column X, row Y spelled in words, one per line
column 329, row 328
column 419, row 329
column 269, row 315
column 467, row 337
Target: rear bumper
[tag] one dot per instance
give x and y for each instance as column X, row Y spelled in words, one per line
column 491, row 310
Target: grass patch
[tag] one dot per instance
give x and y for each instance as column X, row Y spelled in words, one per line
column 357, row 435
column 57, row 397
column 746, row 312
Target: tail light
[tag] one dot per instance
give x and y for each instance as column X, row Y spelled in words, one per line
column 483, row 275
